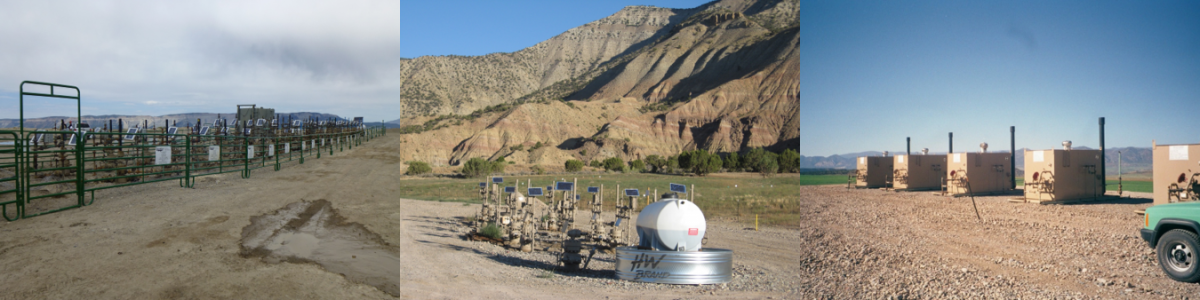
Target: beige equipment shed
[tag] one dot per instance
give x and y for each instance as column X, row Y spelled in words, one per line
column 1060, row 175
column 873, row 171
column 918, row 172
column 978, row 173
column 1176, row 173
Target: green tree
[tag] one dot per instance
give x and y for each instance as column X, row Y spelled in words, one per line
column 655, row 163
column 637, row 165
column 614, row 164
column 789, row 161
column 536, row 169
column 732, row 162
column 672, row 164
column 768, row 165
column 596, row 164
column 417, row 168
column 573, row 165
column 700, row 162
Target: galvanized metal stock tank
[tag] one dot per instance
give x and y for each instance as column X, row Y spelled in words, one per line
column 707, row 266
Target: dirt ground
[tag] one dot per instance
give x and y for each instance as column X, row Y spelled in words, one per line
column 162, row 241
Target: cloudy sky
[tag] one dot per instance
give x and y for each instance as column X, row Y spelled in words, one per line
column 875, row 72
column 163, row 57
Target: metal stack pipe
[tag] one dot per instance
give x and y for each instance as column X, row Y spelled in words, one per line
column 951, row 143
column 908, row 146
column 1103, row 178
column 1012, row 155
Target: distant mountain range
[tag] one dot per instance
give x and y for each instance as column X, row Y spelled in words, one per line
column 1133, row 159
column 184, row 119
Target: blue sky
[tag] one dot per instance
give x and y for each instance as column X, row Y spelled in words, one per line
column 457, row 27
column 875, row 72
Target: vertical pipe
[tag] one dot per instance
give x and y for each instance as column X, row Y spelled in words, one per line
column 951, row 143
column 908, row 145
column 1012, row 156
column 1103, row 179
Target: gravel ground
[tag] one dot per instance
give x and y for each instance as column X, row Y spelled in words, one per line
column 856, row 244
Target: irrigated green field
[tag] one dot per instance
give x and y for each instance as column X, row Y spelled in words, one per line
column 728, row 195
column 1128, row 185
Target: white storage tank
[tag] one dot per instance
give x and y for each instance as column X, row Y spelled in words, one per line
column 671, row 224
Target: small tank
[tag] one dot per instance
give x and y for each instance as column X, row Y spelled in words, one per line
column 671, row 224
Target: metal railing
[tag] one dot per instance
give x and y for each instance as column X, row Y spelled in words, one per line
column 56, row 166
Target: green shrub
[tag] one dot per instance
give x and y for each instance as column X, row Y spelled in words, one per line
column 536, row 169
column 536, row 146
column 478, row 167
column 614, row 164
column 490, row 230
column 517, row 148
column 417, row 168
column 573, row 165
column 596, row 164
column 637, row 165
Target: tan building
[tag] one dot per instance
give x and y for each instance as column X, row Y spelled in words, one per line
column 1055, row 175
column 918, row 172
column 1177, row 165
column 985, row 173
column 873, row 171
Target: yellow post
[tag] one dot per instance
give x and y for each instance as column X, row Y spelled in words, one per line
column 755, row 222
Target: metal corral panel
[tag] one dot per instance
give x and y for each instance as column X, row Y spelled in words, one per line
column 918, row 172
column 707, row 266
column 986, row 172
column 873, row 171
column 1052, row 175
column 1172, row 162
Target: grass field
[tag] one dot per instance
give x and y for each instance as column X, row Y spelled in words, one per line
column 728, row 195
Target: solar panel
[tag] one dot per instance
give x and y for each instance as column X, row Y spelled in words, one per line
column 72, row 140
column 172, row 130
column 274, row 122
column 632, row 192
column 204, row 130
column 261, row 122
column 593, row 189
column 129, row 134
column 483, row 184
column 497, row 179
column 247, row 131
column 296, row 123
column 576, row 197
column 216, row 122
column 564, row 186
column 510, row 189
column 678, row 188
column 549, row 188
column 537, row 191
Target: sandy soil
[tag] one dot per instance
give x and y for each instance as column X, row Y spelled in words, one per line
column 161, row 241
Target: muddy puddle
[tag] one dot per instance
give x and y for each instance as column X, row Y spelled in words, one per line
column 313, row 232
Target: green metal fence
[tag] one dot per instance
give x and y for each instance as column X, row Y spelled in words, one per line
column 43, row 172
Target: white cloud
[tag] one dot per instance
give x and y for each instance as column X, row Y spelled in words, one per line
column 208, row 56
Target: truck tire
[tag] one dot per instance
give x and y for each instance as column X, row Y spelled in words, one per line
column 1177, row 255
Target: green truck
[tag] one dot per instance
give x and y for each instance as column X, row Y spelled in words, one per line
column 1171, row 229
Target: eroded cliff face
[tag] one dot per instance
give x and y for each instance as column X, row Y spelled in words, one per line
column 435, row 85
column 722, row 77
